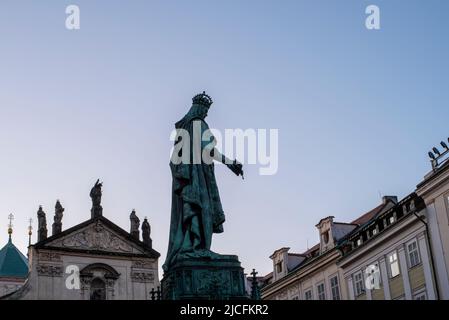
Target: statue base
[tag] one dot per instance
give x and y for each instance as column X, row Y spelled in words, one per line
column 218, row 278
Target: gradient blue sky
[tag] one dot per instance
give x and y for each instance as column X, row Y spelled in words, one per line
column 357, row 110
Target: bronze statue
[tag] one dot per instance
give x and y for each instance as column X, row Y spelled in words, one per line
column 196, row 211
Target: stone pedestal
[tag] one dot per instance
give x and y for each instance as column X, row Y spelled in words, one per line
column 220, row 278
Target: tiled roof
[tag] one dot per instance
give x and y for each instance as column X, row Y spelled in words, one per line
column 311, row 253
column 314, row 248
column 359, row 221
column 369, row 215
column 12, row 262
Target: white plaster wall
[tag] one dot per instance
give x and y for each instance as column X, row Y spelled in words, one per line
column 54, row 288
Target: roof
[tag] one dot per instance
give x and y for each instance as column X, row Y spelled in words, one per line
column 296, row 254
column 311, row 254
column 406, row 207
column 311, row 250
column 369, row 215
column 150, row 252
column 12, row 262
column 361, row 220
column 328, row 217
column 279, row 250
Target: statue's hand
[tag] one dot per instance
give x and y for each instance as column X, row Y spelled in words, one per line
column 237, row 168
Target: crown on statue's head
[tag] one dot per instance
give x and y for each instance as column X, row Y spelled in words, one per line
column 202, row 99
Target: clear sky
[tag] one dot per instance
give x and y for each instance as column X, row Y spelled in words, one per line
column 357, row 110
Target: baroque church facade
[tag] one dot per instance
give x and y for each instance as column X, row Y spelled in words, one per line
column 94, row 260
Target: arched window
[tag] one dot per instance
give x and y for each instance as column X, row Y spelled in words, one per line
column 97, row 289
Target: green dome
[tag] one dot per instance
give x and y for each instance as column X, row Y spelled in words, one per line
column 12, row 262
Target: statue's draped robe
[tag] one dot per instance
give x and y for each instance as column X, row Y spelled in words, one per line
column 196, row 211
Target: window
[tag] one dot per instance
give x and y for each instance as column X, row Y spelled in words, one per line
column 413, row 253
column 97, row 289
column 391, row 220
column 308, row 295
column 279, row 267
column 321, row 291
column 295, row 298
column 335, row 288
column 374, row 232
column 358, row 284
column 359, row 242
column 393, row 264
column 420, row 296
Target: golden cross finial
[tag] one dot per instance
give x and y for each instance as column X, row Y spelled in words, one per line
column 11, row 218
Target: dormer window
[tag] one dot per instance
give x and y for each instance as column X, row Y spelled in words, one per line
column 279, row 267
column 326, row 237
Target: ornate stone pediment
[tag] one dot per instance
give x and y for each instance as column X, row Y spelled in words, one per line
column 96, row 236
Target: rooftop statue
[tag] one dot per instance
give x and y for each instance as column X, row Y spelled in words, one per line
column 95, row 194
column 57, row 222
column 42, row 225
column 135, row 223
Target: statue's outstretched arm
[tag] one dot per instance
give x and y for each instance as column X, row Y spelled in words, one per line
column 233, row 165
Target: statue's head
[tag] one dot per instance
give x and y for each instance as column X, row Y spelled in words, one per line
column 203, row 102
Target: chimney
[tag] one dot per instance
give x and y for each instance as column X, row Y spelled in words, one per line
column 393, row 199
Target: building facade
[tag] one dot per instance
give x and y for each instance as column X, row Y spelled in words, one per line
column 315, row 274
column 389, row 257
column 434, row 190
column 399, row 250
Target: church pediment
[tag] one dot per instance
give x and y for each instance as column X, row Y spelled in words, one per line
column 98, row 235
